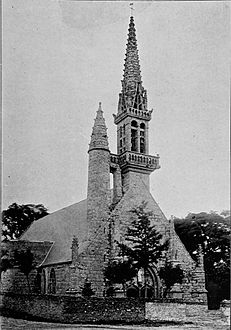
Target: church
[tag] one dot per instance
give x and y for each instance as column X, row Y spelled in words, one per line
column 75, row 244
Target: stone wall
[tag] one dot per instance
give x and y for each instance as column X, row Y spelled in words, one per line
column 62, row 277
column 72, row 309
column 12, row 280
column 182, row 312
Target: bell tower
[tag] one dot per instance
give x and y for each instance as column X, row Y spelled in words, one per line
column 132, row 120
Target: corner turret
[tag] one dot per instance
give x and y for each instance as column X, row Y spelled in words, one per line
column 98, row 202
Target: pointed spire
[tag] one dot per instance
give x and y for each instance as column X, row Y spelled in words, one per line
column 133, row 96
column 131, row 66
column 99, row 138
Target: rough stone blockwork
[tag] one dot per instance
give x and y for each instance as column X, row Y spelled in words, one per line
column 181, row 312
column 13, row 280
column 74, row 310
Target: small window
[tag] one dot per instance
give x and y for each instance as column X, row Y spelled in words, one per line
column 121, row 132
column 52, row 282
column 142, row 146
column 134, row 140
column 43, row 282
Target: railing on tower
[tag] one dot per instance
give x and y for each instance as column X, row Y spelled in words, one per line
column 134, row 158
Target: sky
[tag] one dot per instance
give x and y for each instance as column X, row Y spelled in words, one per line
column 61, row 58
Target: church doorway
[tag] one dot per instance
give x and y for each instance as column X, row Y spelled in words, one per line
column 144, row 286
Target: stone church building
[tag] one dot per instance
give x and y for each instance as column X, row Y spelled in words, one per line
column 76, row 243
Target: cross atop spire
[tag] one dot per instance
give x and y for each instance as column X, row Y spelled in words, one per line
column 99, row 139
column 131, row 8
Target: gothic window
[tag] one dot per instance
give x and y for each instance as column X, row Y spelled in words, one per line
column 142, row 138
column 37, row 282
column 121, row 131
column 43, row 282
column 52, row 282
column 134, row 136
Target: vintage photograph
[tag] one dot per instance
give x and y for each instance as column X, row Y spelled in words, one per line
column 115, row 165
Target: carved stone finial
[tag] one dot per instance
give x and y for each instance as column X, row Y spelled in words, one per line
column 75, row 249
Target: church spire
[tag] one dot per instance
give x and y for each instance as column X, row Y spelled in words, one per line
column 132, row 119
column 133, row 97
column 131, row 66
column 99, row 139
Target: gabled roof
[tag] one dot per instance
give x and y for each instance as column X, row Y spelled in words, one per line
column 60, row 227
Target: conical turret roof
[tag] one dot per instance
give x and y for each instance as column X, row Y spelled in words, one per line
column 99, row 139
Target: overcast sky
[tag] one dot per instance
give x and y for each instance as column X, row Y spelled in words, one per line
column 60, row 58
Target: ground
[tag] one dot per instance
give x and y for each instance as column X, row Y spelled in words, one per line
column 212, row 322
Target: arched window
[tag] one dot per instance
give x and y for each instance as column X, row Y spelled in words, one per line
column 43, row 282
column 52, row 282
column 134, row 136
column 142, row 138
column 37, row 282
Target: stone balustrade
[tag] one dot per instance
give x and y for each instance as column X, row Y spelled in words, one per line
column 144, row 114
column 134, row 158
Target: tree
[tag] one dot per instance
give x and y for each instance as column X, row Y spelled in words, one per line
column 171, row 275
column 145, row 245
column 6, row 261
column 17, row 218
column 212, row 232
column 120, row 272
column 25, row 261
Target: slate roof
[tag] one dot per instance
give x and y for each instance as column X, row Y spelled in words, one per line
column 60, row 227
